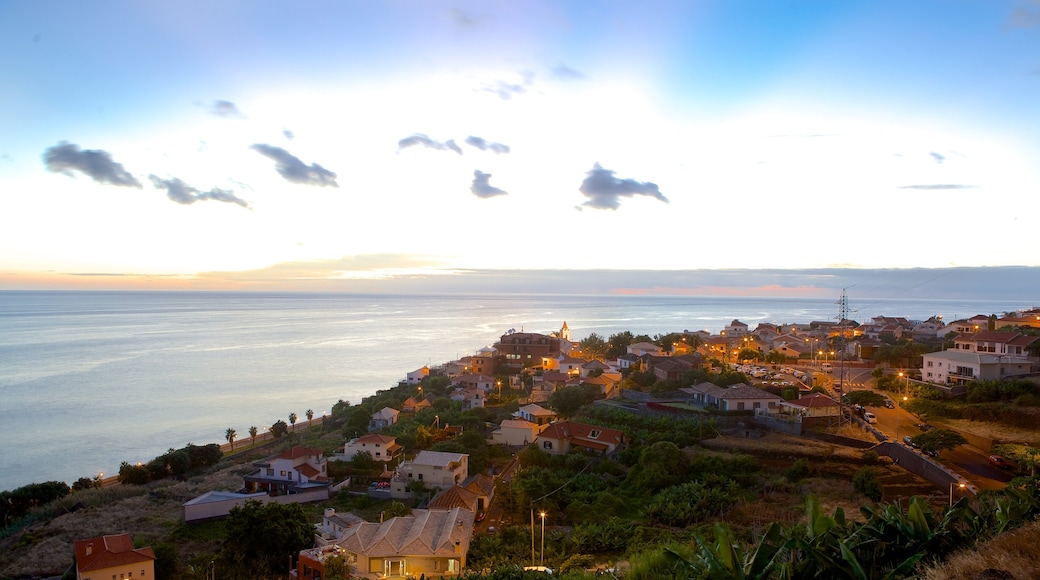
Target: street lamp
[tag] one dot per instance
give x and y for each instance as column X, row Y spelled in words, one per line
column 960, row 485
column 542, row 559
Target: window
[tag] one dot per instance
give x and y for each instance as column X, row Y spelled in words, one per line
column 593, row 434
column 547, row 445
column 283, row 472
column 929, row 364
column 740, row 406
column 270, row 472
column 420, row 477
column 758, row 405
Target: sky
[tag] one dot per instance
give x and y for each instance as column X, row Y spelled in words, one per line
column 249, row 144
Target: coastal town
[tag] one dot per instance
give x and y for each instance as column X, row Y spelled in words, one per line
column 545, row 455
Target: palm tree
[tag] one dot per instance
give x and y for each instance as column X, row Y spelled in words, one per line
column 292, row 419
column 230, row 435
column 252, row 433
column 310, row 415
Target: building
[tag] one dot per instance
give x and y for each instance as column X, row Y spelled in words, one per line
column 382, row 448
column 951, row 367
column 431, row 542
column 521, row 350
column 562, row 437
column 814, row 405
column 415, row 377
column 297, row 470
column 996, row 342
column 739, row 397
column 515, row 433
column 535, row 414
column 435, row 469
column 112, row 556
column 382, row 418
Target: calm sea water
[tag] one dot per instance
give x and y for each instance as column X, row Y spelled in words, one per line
column 91, row 379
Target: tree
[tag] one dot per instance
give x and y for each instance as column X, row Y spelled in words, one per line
column 776, row 357
column 866, row 398
column 279, row 428
column 231, row 435
column 593, row 346
column 749, row 354
column 292, row 419
column 259, row 537
column 568, row 400
column 252, row 433
column 310, row 414
column 938, row 440
column 335, row 568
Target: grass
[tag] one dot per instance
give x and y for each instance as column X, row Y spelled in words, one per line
column 1014, row 552
column 997, row 431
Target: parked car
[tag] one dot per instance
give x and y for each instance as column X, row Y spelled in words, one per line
column 1000, row 462
column 909, row 441
column 870, row 417
column 925, row 426
column 889, row 404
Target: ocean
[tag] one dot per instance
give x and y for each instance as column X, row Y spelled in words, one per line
column 91, row 379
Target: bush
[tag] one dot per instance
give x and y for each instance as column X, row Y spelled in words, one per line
column 798, row 470
column 870, row 457
column 865, row 481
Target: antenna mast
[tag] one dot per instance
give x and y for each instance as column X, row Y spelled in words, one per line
column 843, row 321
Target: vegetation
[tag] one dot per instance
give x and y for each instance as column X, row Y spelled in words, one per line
column 260, row 536
column 939, row 440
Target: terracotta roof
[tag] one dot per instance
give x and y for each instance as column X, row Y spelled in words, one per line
column 376, row 438
column 814, row 401
column 454, row 497
column 108, row 551
column 570, row 430
column 300, row 451
column 481, row 484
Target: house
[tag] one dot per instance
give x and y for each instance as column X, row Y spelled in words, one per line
column 474, row 494
column 643, row 348
column 430, row 542
column 296, row 470
column 735, row 328
column 594, row 367
column 413, row 405
column 627, row 361
column 470, row 397
column 384, row 417
column 521, row 350
column 607, row 383
column 960, row 366
column 112, row 556
column 515, row 433
column 415, row 377
column 814, row 405
column 476, row 381
column 739, row 397
column 766, row 332
column 562, row 437
column 996, row 342
column 570, row 365
column 333, row 525
column 437, row 469
column 865, row 347
column 382, row 448
column 535, row 414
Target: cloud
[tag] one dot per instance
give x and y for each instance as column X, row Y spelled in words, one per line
column 566, row 73
column 185, row 194
column 420, row 139
column 604, row 190
column 294, row 170
column 504, row 90
column 461, row 19
column 484, row 145
column 96, row 164
column 1025, row 17
column 938, row 158
column 226, row 109
column 288, row 134
column 482, row 187
column 938, row 186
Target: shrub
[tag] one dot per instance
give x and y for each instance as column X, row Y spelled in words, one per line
column 865, row 481
column 798, row 470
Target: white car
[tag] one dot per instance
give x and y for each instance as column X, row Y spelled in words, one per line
column 870, row 417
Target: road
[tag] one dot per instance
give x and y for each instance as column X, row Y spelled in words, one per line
column 969, row 462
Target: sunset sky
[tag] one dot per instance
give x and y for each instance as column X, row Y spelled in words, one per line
column 294, row 145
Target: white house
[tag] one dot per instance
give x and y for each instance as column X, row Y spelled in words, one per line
column 535, row 414
column 645, row 348
column 384, row 417
column 382, row 448
column 739, row 397
column 960, row 366
column 437, row 469
column 416, row 376
column 295, row 470
column 515, row 432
